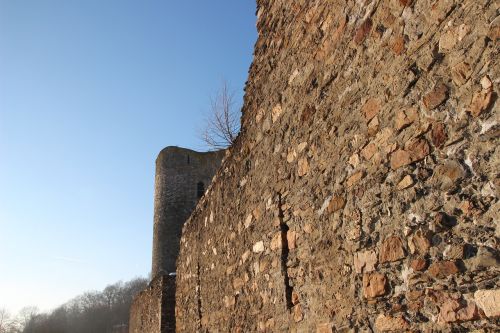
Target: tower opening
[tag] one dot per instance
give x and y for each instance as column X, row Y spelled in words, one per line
column 200, row 189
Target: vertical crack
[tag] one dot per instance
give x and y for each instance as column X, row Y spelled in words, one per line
column 198, row 292
column 284, row 253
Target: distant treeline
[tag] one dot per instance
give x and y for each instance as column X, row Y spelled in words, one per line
column 104, row 311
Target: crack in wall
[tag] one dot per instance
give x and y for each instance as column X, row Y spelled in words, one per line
column 284, row 254
column 198, row 292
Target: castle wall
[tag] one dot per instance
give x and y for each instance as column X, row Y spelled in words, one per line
column 362, row 194
column 182, row 176
column 179, row 174
column 153, row 310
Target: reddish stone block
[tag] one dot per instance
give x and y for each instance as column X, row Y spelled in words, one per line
column 399, row 159
column 436, row 97
column 363, row 31
column 374, row 285
column 443, row 269
column 371, row 108
column 438, row 135
column 391, row 250
column 480, row 102
column 418, row 264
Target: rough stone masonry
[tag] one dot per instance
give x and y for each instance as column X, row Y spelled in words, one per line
column 362, row 193
column 181, row 178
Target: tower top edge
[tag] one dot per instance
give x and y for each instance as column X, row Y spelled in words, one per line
column 176, row 150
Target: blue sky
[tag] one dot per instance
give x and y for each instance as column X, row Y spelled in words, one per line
column 90, row 92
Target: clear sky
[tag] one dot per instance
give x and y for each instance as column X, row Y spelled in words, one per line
column 90, row 92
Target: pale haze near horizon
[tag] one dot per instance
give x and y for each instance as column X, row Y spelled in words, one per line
column 90, row 92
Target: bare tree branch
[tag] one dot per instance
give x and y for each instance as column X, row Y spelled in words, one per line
column 8, row 324
column 222, row 123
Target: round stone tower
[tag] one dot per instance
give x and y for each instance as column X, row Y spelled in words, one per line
column 182, row 176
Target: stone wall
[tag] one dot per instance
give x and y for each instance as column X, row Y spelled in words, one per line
column 180, row 174
column 362, row 194
column 153, row 310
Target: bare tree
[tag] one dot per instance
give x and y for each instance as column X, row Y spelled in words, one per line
column 93, row 311
column 4, row 319
column 7, row 323
column 223, row 121
column 27, row 314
